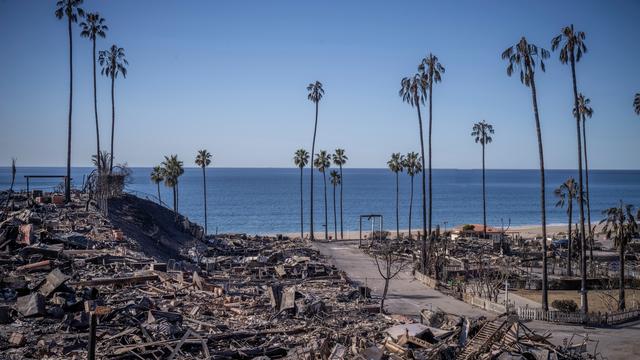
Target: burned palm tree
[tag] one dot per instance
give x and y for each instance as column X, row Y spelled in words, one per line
column 157, row 177
column 71, row 10
column 524, row 57
column 413, row 90
column 413, row 165
column 482, row 132
column 566, row 193
column 93, row 28
column 571, row 46
column 113, row 63
column 323, row 162
column 621, row 226
column 203, row 159
column 301, row 159
column 315, row 94
column 433, row 70
column 396, row 165
column 340, row 159
column 585, row 111
column 335, row 181
column 13, row 174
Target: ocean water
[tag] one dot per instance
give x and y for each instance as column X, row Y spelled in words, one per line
column 267, row 200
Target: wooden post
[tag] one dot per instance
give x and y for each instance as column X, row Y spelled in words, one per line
column 92, row 336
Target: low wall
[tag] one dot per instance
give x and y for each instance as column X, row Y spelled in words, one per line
column 426, row 280
column 484, row 303
column 596, row 319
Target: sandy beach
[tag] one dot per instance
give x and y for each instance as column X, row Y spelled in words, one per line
column 526, row 231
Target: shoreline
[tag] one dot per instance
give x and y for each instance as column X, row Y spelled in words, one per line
column 526, row 231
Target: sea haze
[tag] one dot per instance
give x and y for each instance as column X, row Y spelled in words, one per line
column 260, row 201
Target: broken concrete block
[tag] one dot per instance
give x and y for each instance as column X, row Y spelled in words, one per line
column 288, row 298
column 53, row 281
column 26, row 234
column 31, row 305
column 17, row 339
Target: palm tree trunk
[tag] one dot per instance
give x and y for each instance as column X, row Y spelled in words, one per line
column 335, row 216
column 95, row 107
column 397, row 206
column 430, row 177
column 67, row 188
column 410, row 206
column 424, row 196
column 570, row 245
column 583, row 250
column 113, row 117
column 326, row 217
column 301, row 207
column 159, row 198
column 341, row 223
column 175, row 200
column 586, row 178
column 621, row 303
column 204, row 184
column 313, row 149
column 484, row 198
column 545, row 290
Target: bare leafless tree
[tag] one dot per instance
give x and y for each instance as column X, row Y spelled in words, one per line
column 390, row 262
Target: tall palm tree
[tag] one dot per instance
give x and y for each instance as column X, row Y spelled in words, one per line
column 621, row 225
column 71, row 10
column 412, row 163
column 636, row 103
column 203, row 159
column 93, row 28
column 301, row 159
column 396, row 164
column 433, row 70
column 585, row 110
column 113, row 64
column 340, row 159
column 572, row 47
column 335, row 181
column 482, row 133
column 172, row 170
column 523, row 56
column 412, row 91
column 566, row 193
column 315, row 94
column 157, row 177
column 322, row 162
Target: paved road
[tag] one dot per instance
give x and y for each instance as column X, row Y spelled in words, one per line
column 406, row 296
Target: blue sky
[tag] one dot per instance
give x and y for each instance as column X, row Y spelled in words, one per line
column 231, row 76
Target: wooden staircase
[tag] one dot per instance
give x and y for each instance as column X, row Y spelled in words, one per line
column 484, row 338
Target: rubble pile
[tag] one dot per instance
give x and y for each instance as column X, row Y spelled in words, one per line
column 75, row 286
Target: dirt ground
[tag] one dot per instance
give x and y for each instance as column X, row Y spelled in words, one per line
column 599, row 300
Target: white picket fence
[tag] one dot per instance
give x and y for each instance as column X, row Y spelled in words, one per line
column 484, row 303
column 602, row 319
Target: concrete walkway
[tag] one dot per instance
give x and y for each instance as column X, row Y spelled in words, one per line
column 406, row 296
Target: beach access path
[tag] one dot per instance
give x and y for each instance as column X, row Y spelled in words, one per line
column 406, row 295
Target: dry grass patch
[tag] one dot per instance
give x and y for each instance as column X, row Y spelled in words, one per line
column 599, row 300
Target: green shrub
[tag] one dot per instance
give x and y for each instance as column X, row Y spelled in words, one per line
column 566, row 306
